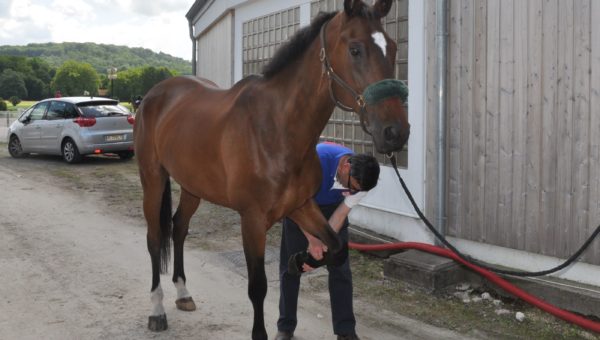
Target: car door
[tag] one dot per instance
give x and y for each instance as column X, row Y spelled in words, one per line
column 32, row 128
column 52, row 126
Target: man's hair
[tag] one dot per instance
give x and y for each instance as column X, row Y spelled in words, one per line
column 365, row 169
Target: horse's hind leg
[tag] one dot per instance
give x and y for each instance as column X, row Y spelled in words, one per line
column 254, row 233
column 157, row 210
column 181, row 222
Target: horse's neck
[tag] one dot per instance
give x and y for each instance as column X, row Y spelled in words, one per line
column 307, row 105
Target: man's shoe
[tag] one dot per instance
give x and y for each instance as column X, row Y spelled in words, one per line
column 348, row 337
column 282, row 335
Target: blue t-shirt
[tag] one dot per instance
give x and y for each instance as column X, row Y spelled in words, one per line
column 329, row 155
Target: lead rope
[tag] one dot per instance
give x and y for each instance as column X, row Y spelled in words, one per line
column 437, row 234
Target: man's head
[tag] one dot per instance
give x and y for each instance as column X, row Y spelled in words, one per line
column 358, row 172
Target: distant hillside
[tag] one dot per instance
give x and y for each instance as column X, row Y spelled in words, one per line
column 100, row 56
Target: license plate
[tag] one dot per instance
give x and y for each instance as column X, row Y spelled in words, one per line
column 114, row 138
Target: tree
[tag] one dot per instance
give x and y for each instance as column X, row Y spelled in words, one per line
column 151, row 76
column 137, row 81
column 73, row 78
column 36, row 88
column 127, row 84
column 35, row 72
column 12, row 84
column 15, row 100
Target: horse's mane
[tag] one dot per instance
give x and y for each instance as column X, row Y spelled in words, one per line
column 295, row 47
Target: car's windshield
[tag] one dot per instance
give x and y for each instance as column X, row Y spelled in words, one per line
column 104, row 110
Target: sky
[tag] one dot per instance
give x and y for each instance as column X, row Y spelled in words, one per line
column 159, row 25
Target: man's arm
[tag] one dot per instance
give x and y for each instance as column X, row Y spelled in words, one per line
column 315, row 247
column 336, row 221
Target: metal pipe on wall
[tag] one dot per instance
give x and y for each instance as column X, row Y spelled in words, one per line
column 191, row 25
column 441, row 48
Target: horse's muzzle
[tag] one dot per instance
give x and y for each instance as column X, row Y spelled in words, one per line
column 394, row 138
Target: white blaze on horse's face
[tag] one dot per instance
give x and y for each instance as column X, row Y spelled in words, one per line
column 380, row 41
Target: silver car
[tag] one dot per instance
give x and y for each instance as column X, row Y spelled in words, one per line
column 73, row 127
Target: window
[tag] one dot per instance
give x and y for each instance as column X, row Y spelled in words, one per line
column 103, row 110
column 70, row 111
column 25, row 115
column 56, row 110
column 262, row 36
column 61, row 110
column 38, row 111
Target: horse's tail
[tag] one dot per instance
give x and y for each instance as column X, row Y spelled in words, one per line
column 166, row 227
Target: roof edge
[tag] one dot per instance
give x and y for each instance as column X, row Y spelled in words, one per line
column 196, row 8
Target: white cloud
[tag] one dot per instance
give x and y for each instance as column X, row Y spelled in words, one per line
column 158, row 25
column 152, row 8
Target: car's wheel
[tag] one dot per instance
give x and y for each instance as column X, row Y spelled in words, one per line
column 14, row 147
column 70, row 152
column 125, row 154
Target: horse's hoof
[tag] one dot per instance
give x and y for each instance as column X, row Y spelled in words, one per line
column 259, row 335
column 186, row 304
column 157, row 323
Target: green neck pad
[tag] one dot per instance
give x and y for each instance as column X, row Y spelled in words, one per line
column 385, row 89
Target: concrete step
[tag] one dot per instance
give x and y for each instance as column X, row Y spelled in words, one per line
column 432, row 273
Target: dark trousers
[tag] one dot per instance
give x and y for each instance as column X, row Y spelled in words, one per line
column 340, row 280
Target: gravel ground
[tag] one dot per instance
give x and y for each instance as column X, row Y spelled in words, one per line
column 75, row 266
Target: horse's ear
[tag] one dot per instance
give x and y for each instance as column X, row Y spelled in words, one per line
column 353, row 7
column 382, row 7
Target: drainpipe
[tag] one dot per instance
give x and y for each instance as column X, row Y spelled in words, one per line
column 441, row 47
column 191, row 26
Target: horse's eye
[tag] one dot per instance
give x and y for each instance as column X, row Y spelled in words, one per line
column 354, row 51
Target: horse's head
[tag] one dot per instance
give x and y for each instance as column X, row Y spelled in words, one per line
column 359, row 59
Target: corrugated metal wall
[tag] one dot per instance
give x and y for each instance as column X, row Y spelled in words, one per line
column 215, row 51
column 523, row 123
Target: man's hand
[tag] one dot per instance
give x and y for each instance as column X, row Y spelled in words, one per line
column 351, row 200
column 316, row 248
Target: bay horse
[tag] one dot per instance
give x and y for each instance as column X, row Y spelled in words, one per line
column 252, row 147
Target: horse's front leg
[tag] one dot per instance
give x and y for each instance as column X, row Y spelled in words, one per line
column 254, row 234
column 188, row 204
column 310, row 218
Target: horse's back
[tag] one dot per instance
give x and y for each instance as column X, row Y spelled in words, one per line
column 174, row 96
column 170, row 91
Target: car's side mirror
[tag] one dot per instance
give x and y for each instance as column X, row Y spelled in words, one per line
column 26, row 120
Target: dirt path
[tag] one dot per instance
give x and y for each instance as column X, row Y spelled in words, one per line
column 75, row 268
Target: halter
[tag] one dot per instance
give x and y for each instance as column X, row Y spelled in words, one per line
column 360, row 100
column 372, row 94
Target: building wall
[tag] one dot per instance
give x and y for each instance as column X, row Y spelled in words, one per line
column 523, row 117
column 215, row 52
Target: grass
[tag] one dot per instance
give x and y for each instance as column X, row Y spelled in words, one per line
column 450, row 312
column 23, row 105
